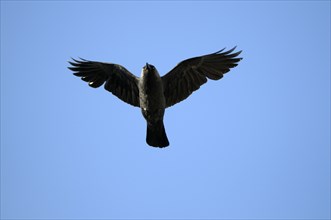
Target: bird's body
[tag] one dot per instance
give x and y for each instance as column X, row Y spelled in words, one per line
column 150, row 86
column 152, row 104
column 152, row 93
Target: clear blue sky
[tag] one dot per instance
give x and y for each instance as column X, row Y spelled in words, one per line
column 255, row 144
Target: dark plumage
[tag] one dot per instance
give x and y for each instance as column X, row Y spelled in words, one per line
column 153, row 93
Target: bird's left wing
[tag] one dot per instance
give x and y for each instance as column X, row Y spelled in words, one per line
column 190, row 74
column 119, row 80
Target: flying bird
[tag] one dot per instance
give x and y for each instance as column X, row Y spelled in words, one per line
column 151, row 92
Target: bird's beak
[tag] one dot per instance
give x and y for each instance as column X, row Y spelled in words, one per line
column 147, row 66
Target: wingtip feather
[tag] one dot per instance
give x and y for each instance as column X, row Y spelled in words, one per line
column 220, row 51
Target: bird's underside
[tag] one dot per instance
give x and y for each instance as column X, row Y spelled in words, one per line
column 151, row 92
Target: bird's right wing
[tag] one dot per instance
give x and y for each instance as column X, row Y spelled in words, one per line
column 190, row 74
column 119, row 80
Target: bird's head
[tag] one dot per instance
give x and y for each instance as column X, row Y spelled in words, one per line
column 149, row 69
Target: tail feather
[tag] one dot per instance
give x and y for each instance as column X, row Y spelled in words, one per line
column 156, row 135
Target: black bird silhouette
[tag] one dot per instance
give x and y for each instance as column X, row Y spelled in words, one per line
column 152, row 93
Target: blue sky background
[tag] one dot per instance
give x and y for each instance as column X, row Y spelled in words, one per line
column 255, row 144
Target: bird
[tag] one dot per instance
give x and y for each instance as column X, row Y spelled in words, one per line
column 151, row 92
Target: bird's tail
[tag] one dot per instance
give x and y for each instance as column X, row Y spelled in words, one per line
column 156, row 135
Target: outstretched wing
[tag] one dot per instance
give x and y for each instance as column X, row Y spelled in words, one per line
column 190, row 74
column 119, row 80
